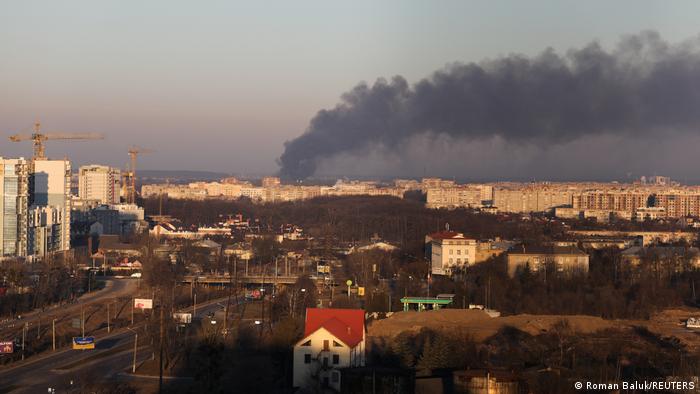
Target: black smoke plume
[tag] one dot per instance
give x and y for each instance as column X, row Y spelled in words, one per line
column 644, row 86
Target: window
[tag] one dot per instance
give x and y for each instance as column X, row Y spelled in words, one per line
column 336, row 359
column 335, row 377
column 459, row 251
column 451, row 251
column 325, row 344
column 450, row 260
column 336, row 344
column 307, row 343
column 325, row 362
column 307, row 359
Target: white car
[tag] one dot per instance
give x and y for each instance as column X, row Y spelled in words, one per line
column 136, row 275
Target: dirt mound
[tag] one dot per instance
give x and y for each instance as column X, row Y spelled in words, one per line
column 479, row 324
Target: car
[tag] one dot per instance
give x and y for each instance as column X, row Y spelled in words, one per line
column 136, row 275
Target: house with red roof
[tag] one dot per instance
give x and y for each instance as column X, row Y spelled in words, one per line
column 333, row 339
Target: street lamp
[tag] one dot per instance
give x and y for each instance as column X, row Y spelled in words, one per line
column 136, row 341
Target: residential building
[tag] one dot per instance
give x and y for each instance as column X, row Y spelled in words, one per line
column 271, row 181
column 567, row 260
column 649, row 213
column 14, row 194
column 448, row 250
column 531, row 198
column 333, row 339
column 101, row 183
column 672, row 258
column 49, row 207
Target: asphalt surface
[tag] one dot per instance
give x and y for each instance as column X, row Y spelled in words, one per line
column 67, row 370
column 113, row 288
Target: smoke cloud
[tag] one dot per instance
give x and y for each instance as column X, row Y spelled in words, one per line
column 642, row 87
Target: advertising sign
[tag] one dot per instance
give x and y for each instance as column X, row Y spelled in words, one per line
column 143, row 303
column 7, row 347
column 81, row 343
column 361, row 291
column 182, row 318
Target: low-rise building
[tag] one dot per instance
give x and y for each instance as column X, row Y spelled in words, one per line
column 333, row 339
column 678, row 258
column 449, row 250
column 567, row 260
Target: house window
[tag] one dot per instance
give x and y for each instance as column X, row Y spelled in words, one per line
column 307, row 343
column 336, row 344
column 450, row 260
column 336, row 359
column 325, row 344
column 335, row 377
column 451, row 251
column 459, row 251
column 325, row 362
column 307, row 359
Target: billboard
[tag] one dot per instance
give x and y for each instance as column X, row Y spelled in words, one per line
column 81, row 343
column 7, row 347
column 182, row 318
column 143, row 303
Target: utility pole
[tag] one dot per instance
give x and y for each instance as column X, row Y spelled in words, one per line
column 133, row 300
column 162, row 337
column 53, row 333
column 108, row 329
column 82, row 319
column 194, row 306
column 136, row 341
column 24, row 337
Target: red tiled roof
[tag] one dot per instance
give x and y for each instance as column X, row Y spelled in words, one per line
column 446, row 235
column 348, row 325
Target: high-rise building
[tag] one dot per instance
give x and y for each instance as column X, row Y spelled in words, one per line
column 14, row 193
column 49, row 207
column 99, row 183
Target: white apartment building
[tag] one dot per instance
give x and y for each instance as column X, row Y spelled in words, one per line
column 466, row 196
column 101, row 183
column 449, row 249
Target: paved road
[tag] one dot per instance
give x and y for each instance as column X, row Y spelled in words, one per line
column 113, row 355
column 113, row 288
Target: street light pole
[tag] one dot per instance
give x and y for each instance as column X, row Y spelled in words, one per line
column 108, row 330
column 24, row 337
column 53, row 333
column 136, row 341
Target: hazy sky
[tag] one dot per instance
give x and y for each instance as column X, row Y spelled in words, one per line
column 221, row 85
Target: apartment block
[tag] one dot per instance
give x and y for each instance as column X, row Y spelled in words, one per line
column 100, row 183
column 14, row 190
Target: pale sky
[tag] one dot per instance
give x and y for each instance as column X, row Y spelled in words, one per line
column 221, row 85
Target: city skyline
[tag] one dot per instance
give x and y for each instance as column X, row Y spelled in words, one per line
column 194, row 73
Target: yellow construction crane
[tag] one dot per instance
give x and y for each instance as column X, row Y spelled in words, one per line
column 134, row 151
column 38, row 138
